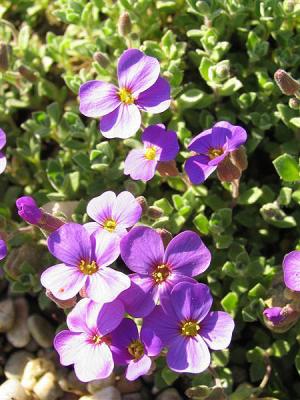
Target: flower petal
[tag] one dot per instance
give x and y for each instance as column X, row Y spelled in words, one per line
column 216, row 329
column 63, row 281
column 97, row 363
column 188, row 254
column 201, row 143
column 107, row 248
column 3, row 162
column 188, row 355
column 70, row 346
column 126, row 211
column 142, row 249
column 190, row 301
column 3, row 249
column 165, row 141
column 2, row 138
column 238, row 134
column 221, row 133
column 157, row 98
column 77, row 318
column 138, row 166
column 136, row 71
column 92, row 227
column 100, row 207
column 139, row 299
column 122, row 123
column 70, row 244
column 121, row 338
column 197, row 170
column 106, row 285
column 98, row 98
column 291, row 270
column 110, row 317
column 138, row 368
column 152, row 343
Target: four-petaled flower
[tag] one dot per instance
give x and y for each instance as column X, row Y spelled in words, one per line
column 113, row 215
column 129, row 348
column 159, row 145
column 291, row 270
column 87, row 342
column 186, row 326
column 140, row 88
column 213, row 147
column 3, row 161
column 84, row 265
column 158, row 270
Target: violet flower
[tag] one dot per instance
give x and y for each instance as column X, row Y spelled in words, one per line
column 291, row 270
column 140, row 88
column 158, row 270
column 212, row 147
column 274, row 315
column 113, row 215
column 87, row 342
column 3, row 249
column 187, row 327
column 129, row 349
column 159, row 145
column 84, row 265
column 28, row 210
column 3, row 161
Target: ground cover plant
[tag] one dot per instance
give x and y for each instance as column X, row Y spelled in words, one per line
column 149, row 199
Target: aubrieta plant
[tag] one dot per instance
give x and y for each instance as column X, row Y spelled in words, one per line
column 151, row 150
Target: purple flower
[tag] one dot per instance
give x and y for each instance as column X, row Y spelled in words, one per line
column 158, row 270
column 187, row 327
column 84, row 265
column 159, row 145
column 113, row 215
column 129, row 348
column 212, row 147
column 274, row 315
column 3, row 161
column 3, row 249
column 140, row 88
column 291, row 270
column 87, row 342
column 28, row 210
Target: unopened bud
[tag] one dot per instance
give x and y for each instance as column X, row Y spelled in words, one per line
column 239, row 158
column 27, row 73
column 64, row 304
column 223, row 70
column 227, row 171
column 294, row 103
column 143, row 203
column 124, row 24
column 288, row 5
column 4, row 63
column 155, row 212
column 165, row 235
column 167, row 168
column 281, row 319
column 286, row 83
column 101, row 59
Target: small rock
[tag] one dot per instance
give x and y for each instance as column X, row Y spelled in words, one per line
column 41, row 330
column 32, row 346
column 132, row 396
column 70, row 383
column 15, row 365
column 169, row 394
column 12, row 390
column 34, row 370
column 19, row 335
column 47, row 387
column 7, row 315
column 98, row 384
column 108, row 393
column 125, row 386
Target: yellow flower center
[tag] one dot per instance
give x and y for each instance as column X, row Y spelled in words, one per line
column 110, row 225
column 161, row 273
column 126, row 96
column 88, row 268
column 136, row 349
column 97, row 339
column 214, row 153
column 189, row 328
column 150, row 153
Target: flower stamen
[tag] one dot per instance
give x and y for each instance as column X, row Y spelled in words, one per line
column 161, row 273
column 136, row 349
column 214, row 153
column 110, row 225
column 189, row 328
column 126, row 96
column 150, row 153
column 88, row 268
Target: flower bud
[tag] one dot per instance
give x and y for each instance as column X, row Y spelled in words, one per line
column 223, row 70
column 167, row 168
column 280, row 319
column 27, row 73
column 294, row 103
column 227, row 171
column 143, row 203
column 239, row 158
column 165, row 235
column 64, row 304
column 155, row 212
column 288, row 5
column 101, row 59
column 4, row 63
column 124, row 24
column 28, row 210
column 286, row 83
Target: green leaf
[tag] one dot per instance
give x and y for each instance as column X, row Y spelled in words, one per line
column 287, row 167
column 230, row 302
column 204, row 68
